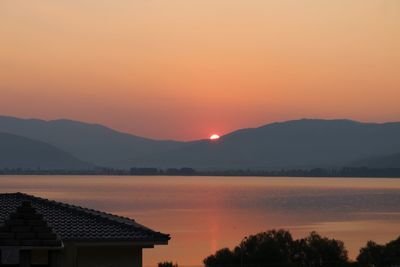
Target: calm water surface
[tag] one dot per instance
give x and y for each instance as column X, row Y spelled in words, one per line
column 203, row 214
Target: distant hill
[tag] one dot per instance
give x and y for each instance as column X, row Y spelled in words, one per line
column 89, row 142
column 24, row 153
column 288, row 145
column 387, row 161
column 306, row 143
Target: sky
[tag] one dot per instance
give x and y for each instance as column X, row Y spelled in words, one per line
column 184, row 69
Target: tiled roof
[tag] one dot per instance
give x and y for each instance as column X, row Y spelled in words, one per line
column 73, row 223
column 27, row 228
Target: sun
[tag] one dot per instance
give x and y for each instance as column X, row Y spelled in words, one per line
column 214, row 137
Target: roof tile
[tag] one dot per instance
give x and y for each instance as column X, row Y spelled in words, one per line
column 73, row 223
column 17, row 229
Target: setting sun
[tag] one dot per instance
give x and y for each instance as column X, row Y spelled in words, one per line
column 214, row 137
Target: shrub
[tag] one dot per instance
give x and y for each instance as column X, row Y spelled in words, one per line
column 167, row 264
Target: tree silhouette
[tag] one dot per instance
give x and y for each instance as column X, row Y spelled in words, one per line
column 267, row 248
column 380, row 255
column 371, row 255
column 317, row 251
column 222, row 258
column 277, row 248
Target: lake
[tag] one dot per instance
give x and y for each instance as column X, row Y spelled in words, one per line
column 204, row 214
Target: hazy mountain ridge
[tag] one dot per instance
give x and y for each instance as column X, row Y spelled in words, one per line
column 387, row 161
column 25, row 153
column 303, row 143
column 306, row 143
column 89, row 142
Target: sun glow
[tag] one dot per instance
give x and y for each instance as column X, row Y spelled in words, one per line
column 214, row 137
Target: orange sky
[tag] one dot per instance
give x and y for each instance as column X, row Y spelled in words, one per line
column 181, row 69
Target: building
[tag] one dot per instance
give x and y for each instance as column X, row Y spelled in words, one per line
column 40, row 232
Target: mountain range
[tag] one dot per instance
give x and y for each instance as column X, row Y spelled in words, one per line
column 20, row 152
column 388, row 161
column 89, row 142
column 289, row 145
column 305, row 143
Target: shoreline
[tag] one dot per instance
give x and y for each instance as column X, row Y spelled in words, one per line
column 314, row 173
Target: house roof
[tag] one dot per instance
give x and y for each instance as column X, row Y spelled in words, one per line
column 26, row 228
column 74, row 223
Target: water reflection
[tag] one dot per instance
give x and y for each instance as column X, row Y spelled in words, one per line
column 207, row 213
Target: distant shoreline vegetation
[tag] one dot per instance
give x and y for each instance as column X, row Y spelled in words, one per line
column 316, row 172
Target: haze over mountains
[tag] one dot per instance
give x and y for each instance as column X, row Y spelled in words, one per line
column 389, row 161
column 294, row 144
column 89, row 142
column 20, row 152
column 290, row 145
